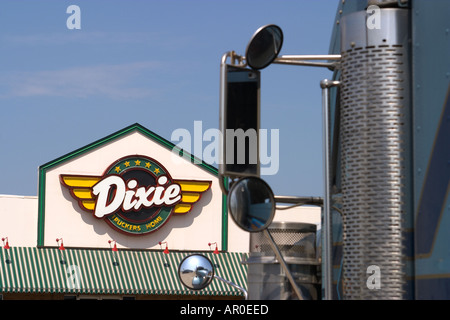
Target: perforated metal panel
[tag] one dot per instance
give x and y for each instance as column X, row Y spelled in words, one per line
column 374, row 106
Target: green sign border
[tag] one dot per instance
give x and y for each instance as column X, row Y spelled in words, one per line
column 108, row 139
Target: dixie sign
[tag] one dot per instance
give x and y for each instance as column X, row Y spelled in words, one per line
column 135, row 195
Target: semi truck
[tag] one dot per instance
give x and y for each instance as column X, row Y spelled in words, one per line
column 386, row 149
column 389, row 152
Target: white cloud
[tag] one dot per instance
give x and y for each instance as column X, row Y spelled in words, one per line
column 113, row 81
column 162, row 39
column 74, row 37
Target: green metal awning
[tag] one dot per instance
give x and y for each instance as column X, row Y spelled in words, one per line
column 97, row 271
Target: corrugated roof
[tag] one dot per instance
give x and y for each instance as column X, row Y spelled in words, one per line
column 92, row 271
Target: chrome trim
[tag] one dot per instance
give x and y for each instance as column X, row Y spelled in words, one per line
column 327, row 222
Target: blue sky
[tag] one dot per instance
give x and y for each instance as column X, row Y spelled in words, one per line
column 155, row 63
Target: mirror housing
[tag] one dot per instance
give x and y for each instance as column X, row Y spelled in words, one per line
column 196, row 272
column 252, row 204
column 264, row 46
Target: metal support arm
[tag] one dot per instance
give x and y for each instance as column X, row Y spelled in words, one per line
column 327, row 222
column 233, row 285
column 318, row 201
column 305, row 60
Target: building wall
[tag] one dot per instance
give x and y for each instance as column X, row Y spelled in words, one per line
column 18, row 216
column 61, row 216
column 192, row 231
column 18, row 220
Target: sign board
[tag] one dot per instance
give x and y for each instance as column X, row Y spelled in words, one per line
column 135, row 188
column 135, row 195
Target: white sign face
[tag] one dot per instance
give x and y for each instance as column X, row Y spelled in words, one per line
column 135, row 195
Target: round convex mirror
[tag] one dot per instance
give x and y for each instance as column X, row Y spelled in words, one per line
column 252, row 204
column 264, row 46
column 196, row 272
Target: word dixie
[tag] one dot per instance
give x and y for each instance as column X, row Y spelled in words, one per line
column 129, row 196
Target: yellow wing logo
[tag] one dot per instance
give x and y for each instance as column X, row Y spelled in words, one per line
column 191, row 192
column 80, row 188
